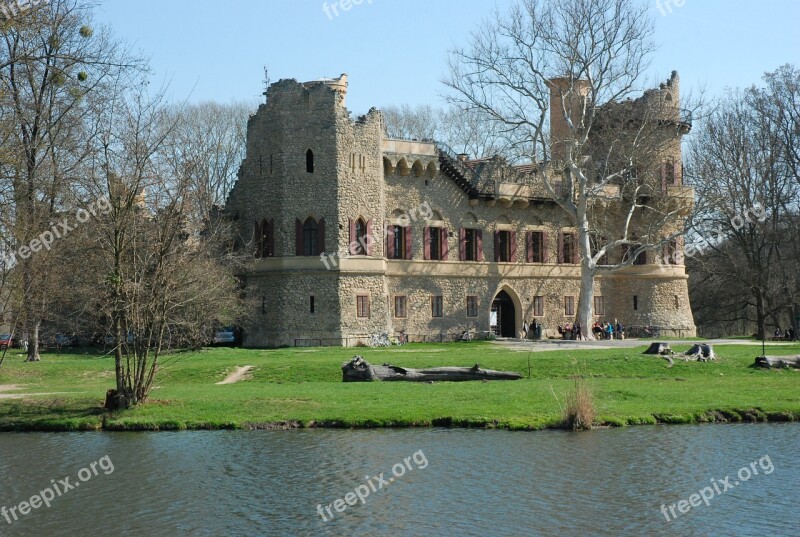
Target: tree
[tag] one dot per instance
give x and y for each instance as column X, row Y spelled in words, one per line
column 153, row 280
column 744, row 169
column 581, row 60
column 53, row 71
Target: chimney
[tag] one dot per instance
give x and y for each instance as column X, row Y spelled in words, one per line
column 573, row 93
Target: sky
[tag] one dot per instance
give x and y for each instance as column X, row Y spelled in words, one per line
column 395, row 51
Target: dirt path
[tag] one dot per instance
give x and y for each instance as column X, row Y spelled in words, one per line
column 14, row 387
column 237, row 375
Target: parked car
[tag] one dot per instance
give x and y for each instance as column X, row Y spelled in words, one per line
column 7, row 341
column 225, row 336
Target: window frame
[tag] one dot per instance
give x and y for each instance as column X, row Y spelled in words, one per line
column 398, row 310
column 569, row 305
column 362, row 306
column 437, row 306
column 538, row 306
column 472, row 306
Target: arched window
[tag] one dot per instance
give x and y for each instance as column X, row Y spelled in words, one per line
column 360, row 238
column 310, row 236
column 309, row 161
column 262, row 238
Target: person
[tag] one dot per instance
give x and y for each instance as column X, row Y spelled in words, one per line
column 778, row 333
column 576, row 330
column 610, row 331
column 25, row 344
column 790, row 334
column 596, row 330
column 620, row 330
column 524, row 329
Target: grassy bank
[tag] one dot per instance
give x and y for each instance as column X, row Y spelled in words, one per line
column 303, row 387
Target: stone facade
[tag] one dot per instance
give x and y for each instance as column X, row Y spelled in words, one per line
column 320, row 198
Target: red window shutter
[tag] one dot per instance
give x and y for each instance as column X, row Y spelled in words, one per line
column 426, row 237
column 321, row 236
column 353, row 240
column 496, row 246
column 298, row 237
column 389, row 241
column 575, row 253
column 545, row 249
column 270, row 237
column 462, row 244
column 479, row 240
column 444, row 245
column 369, row 238
column 561, row 247
column 512, row 236
column 529, row 246
column 407, row 236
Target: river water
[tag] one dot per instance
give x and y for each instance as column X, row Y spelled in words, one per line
column 434, row 482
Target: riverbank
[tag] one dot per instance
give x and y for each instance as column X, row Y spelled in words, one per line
column 303, row 388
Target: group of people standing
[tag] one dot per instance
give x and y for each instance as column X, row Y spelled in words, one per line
column 604, row 330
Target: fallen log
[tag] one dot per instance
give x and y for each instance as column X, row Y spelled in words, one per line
column 359, row 370
column 778, row 361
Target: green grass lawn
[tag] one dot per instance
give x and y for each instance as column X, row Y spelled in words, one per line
column 304, row 387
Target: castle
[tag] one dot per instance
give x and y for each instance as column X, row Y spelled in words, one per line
column 354, row 233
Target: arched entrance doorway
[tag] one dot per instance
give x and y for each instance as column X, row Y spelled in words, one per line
column 503, row 318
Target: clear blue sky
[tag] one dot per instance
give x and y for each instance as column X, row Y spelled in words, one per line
column 395, row 50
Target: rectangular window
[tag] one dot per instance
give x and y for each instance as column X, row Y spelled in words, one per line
column 362, row 305
column 436, row 306
column 311, row 304
column 398, row 250
column 435, row 241
column 569, row 306
column 472, row 306
column 599, row 305
column 538, row 306
column 503, row 242
column 567, row 253
column 635, row 302
column 470, row 245
column 400, row 306
column 537, row 247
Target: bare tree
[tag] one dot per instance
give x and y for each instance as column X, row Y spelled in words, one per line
column 744, row 168
column 581, row 60
column 409, row 122
column 53, row 67
column 152, row 279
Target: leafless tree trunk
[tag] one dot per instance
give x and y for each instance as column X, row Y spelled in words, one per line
column 579, row 60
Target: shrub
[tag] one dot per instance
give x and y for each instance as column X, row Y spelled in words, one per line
column 579, row 407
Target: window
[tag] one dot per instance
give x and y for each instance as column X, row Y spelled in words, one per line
column 472, row 306
column 262, row 238
column 470, row 245
column 310, row 237
column 504, row 246
column 569, row 305
column 672, row 255
column 599, row 305
column 435, row 243
column 362, row 305
column 309, row 161
column 360, row 237
column 567, row 252
column 641, row 259
column 538, row 306
column 436, row 306
column 536, row 247
column 311, row 304
column 398, row 242
column 400, row 306
column 635, row 302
